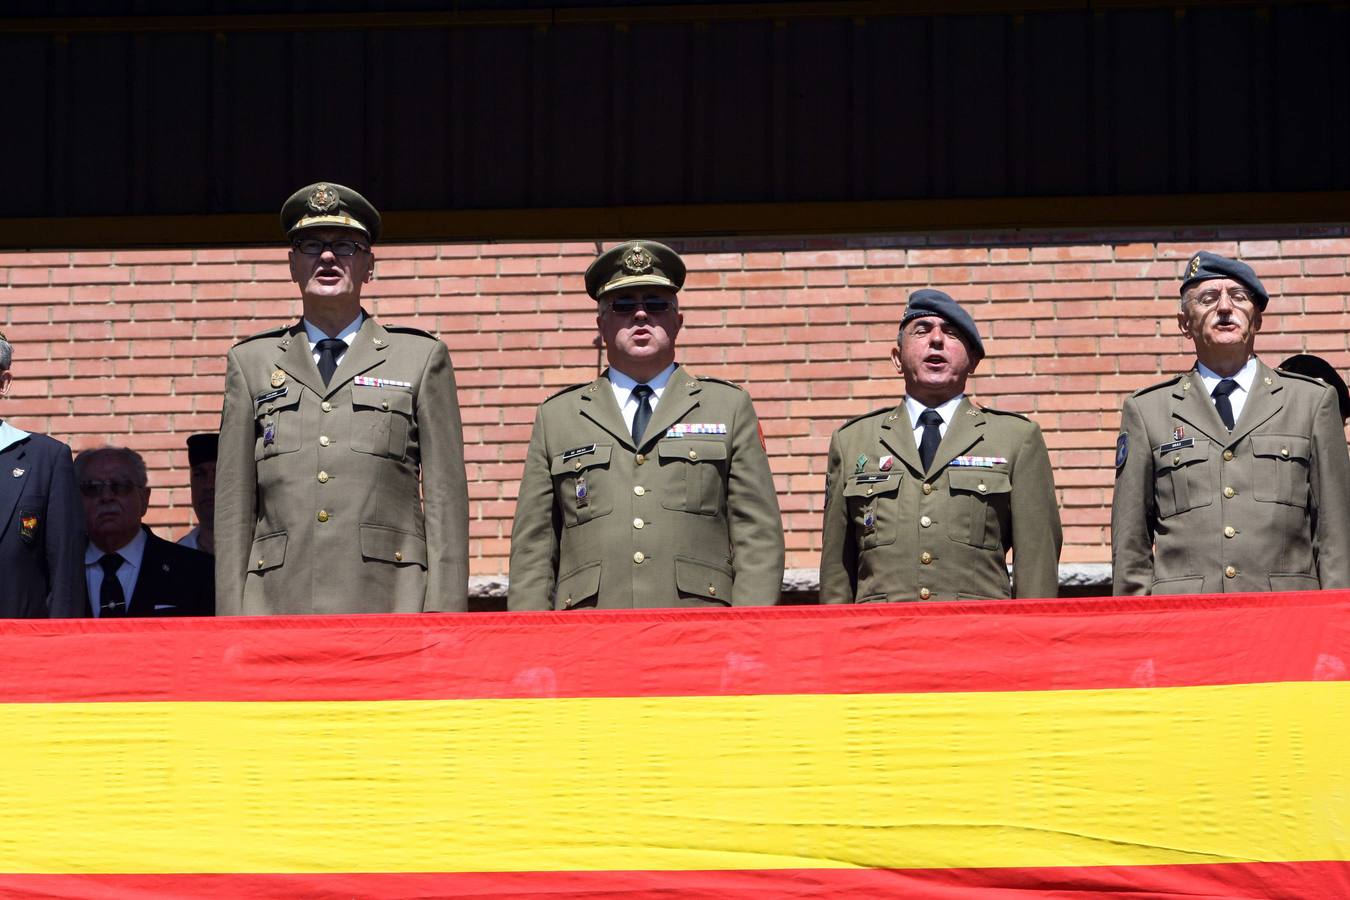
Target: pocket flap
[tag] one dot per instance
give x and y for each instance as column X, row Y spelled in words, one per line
column 872, row 483
column 287, row 401
column 568, row 462
column 1166, row 460
column 702, row 579
column 979, row 481
column 268, row 552
column 687, row 448
column 579, row 585
column 391, row 545
column 1282, row 446
column 369, row 396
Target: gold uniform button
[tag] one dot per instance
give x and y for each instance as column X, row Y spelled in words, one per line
column 925, row 557
column 1229, row 493
column 323, row 478
column 1227, row 456
column 1230, row 572
column 712, row 590
column 398, row 556
column 639, row 490
column 924, row 521
column 323, row 515
column 324, row 441
column 260, row 563
column 1176, row 460
column 1284, row 451
column 640, row 458
column 928, row 488
column 1229, row 531
column 638, row 523
column 693, row 454
column 869, row 492
column 981, row 487
column 271, row 409
column 577, row 465
column 384, row 404
column 326, row 406
column 638, row 557
column 924, row 593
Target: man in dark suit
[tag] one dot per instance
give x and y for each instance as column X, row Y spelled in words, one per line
column 41, row 526
column 128, row 570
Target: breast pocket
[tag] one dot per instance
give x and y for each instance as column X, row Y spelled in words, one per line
column 874, row 507
column 582, row 486
column 1281, row 471
column 981, row 501
column 381, row 420
column 1183, row 479
column 278, row 426
column 693, row 473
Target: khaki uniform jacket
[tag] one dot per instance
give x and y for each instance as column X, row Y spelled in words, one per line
column 689, row 518
column 1200, row 510
column 903, row 534
column 317, row 488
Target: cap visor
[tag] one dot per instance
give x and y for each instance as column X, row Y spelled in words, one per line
column 328, row 222
column 636, row 280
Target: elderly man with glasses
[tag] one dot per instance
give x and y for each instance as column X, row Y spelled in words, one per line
column 41, row 525
column 130, row 571
column 649, row 486
column 340, row 471
column 1232, row 476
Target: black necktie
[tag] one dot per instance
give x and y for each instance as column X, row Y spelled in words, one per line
column 643, row 415
column 930, row 419
column 1222, row 403
column 329, row 348
column 112, row 601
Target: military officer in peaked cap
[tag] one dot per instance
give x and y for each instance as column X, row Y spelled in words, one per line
column 1232, row 476
column 924, row 500
column 649, row 486
column 340, row 472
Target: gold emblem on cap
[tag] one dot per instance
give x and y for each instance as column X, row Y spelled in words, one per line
column 637, row 261
column 322, row 199
column 1195, row 265
column 278, row 378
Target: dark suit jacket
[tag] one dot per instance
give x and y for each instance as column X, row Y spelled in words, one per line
column 41, row 531
column 178, row 580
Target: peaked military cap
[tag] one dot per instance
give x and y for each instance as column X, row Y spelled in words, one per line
column 930, row 302
column 634, row 263
column 1205, row 266
column 326, row 204
column 202, row 447
column 1317, row 367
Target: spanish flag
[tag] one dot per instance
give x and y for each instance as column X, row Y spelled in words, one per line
column 1139, row 748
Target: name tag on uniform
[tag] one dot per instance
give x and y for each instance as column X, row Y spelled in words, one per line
column 270, row 395
column 578, row 451
column 1177, row 445
column 872, row 478
column 980, row 462
column 682, row 428
column 367, row 381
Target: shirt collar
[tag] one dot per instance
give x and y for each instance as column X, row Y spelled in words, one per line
column 346, row 335
column 626, row 383
column 1244, row 377
column 9, row 435
column 947, row 410
column 132, row 553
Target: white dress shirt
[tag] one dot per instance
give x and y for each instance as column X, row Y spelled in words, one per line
column 9, row 435
column 623, row 391
column 132, row 556
column 346, row 335
column 1244, row 378
column 946, row 410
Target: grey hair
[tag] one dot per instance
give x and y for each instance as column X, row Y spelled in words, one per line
column 87, row 458
column 6, row 354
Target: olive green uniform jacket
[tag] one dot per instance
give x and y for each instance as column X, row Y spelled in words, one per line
column 689, row 518
column 1200, row 510
column 348, row 498
column 898, row 533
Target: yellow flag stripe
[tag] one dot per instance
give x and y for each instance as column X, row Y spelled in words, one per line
column 1027, row 779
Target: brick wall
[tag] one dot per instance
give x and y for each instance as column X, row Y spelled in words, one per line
column 128, row 346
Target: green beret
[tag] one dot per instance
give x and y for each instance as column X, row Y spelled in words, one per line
column 329, row 205
column 634, row 263
column 1205, row 266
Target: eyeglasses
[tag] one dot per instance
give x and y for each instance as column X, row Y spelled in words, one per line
column 93, row 489
column 314, row 247
column 628, row 307
column 1209, row 298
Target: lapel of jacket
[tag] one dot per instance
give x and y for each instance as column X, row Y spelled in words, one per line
column 964, row 431
column 1192, row 404
column 597, row 404
column 680, row 396
column 1265, row 400
column 12, row 459
column 296, row 359
column 148, row 579
column 369, row 349
column 897, row 435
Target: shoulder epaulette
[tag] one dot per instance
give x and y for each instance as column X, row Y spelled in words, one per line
column 720, row 381
column 1161, row 384
column 868, row 415
column 1004, row 412
column 1299, row 376
column 271, row 332
column 568, row 389
column 408, row 329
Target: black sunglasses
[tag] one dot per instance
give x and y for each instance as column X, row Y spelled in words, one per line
column 93, row 489
column 628, row 307
column 314, row 247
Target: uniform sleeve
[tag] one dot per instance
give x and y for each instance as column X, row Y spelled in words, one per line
column 65, row 541
column 1132, row 504
column 838, row 544
column 445, row 493
column 536, row 529
column 236, row 490
column 1330, row 479
column 753, row 518
column 1036, row 533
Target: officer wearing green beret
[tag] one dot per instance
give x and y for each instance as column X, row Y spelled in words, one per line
column 1232, row 476
column 340, row 472
column 923, row 501
column 648, row 486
